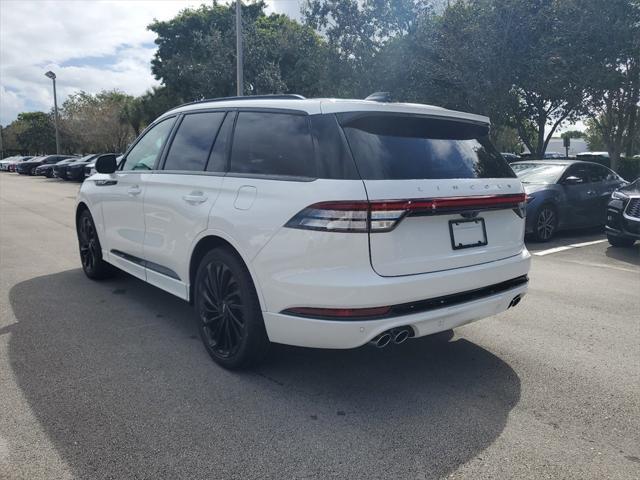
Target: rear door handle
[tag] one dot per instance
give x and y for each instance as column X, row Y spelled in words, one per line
column 134, row 190
column 195, row 198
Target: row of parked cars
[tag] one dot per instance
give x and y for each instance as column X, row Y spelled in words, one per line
column 565, row 194
column 66, row 167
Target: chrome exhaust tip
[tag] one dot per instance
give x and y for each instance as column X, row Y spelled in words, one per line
column 382, row 340
column 401, row 335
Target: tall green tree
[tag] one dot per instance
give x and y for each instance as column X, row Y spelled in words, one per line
column 366, row 41
column 613, row 86
column 36, row 132
column 97, row 123
column 196, row 56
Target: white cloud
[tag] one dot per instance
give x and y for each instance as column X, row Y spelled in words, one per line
column 70, row 37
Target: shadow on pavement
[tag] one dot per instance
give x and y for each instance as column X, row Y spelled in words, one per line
column 629, row 255
column 117, row 377
column 567, row 237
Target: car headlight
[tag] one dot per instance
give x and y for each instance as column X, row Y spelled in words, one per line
column 619, row 195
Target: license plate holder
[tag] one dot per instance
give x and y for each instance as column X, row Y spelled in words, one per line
column 467, row 233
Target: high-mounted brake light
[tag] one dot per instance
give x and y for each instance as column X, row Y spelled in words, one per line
column 361, row 216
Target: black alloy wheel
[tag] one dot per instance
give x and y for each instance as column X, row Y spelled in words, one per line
column 90, row 251
column 546, row 223
column 228, row 312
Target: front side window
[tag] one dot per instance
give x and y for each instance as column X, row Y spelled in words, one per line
column 402, row 147
column 579, row 171
column 144, row 154
column 600, row 173
column 272, row 144
column 193, row 141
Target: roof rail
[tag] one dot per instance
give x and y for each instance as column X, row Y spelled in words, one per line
column 380, row 97
column 286, row 96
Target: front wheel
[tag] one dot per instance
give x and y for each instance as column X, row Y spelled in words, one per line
column 546, row 223
column 93, row 265
column 620, row 241
column 228, row 311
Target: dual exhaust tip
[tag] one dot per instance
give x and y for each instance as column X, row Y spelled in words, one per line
column 400, row 335
column 395, row 335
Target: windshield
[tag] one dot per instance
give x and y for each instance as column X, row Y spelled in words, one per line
column 402, row 147
column 536, row 173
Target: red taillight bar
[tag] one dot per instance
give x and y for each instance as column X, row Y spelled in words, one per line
column 448, row 203
column 362, row 216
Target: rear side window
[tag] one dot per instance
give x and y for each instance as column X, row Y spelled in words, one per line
column 193, row 141
column 277, row 144
column 401, row 147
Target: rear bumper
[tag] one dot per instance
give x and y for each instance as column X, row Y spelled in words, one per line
column 330, row 288
column 305, row 332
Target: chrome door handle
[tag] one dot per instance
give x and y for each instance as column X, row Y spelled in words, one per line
column 195, row 198
column 134, row 190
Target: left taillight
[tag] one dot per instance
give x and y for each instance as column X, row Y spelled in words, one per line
column 333, row 217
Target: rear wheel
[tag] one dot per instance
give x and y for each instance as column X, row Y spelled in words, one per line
column 228, row 312
column 93, row 265
column 620, row 241
column 546, row 223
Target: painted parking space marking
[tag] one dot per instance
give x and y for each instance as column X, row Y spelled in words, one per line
column 567, row 247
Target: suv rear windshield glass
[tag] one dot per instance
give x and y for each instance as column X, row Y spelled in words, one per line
column 402, row 147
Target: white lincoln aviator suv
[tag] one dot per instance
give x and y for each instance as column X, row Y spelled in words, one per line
column 313, row 222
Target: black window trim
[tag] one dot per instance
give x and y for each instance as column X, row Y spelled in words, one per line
column 266, row 176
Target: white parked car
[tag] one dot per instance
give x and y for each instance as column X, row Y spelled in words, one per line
column 4, row 164
column 312, row 222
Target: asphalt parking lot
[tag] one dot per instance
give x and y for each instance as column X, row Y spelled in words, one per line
column 109, row 380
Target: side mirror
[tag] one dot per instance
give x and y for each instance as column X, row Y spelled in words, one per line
column 106, row 163
column 572, row 180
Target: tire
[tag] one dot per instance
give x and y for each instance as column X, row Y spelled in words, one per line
column 546, row 223
column 93, row 265
column 620, row 241
column 228, row 312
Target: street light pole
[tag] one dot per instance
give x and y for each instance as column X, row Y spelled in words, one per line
column 239, row 72
column 52, row 76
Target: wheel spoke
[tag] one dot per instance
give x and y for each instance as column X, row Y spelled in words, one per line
column 221, row 309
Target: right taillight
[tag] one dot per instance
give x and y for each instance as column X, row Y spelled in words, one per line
column 361, row 216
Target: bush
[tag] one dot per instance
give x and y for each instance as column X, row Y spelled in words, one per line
column 629, row 168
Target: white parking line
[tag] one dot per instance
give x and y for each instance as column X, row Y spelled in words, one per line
column 552, row 250
column 567, row 247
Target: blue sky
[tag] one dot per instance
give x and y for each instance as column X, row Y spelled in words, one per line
column 91, row 45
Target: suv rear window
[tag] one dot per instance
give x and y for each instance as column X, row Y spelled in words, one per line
column 402, row 147
column 277, row 144
column 193, row 141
